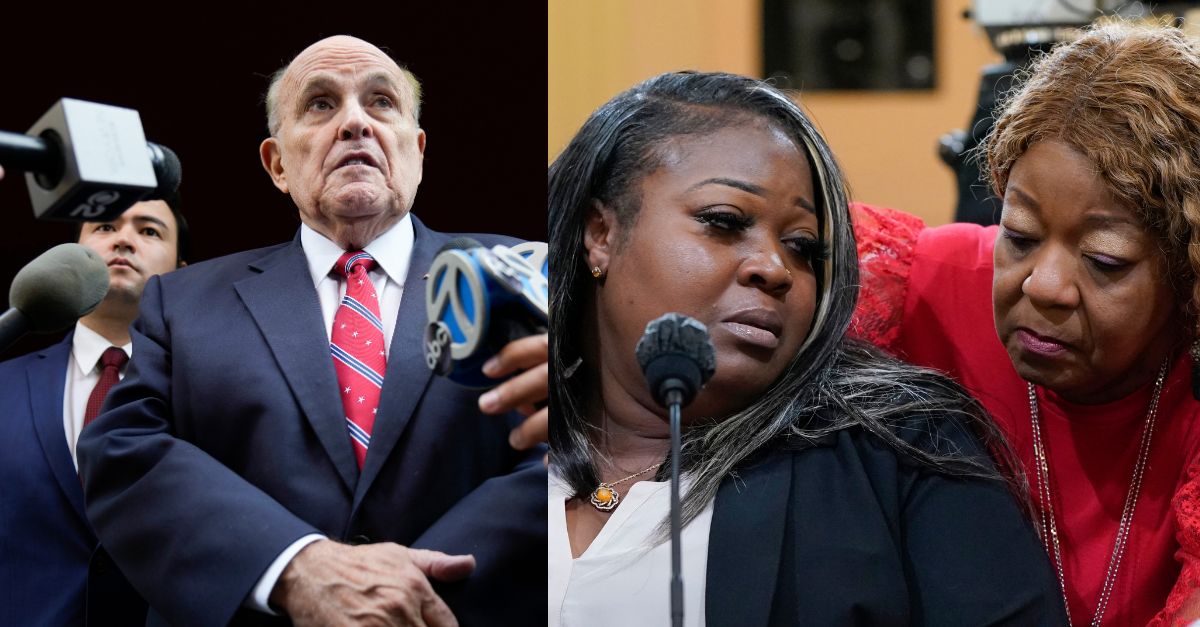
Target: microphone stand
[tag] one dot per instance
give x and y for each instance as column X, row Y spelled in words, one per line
column 677, row 357
column 674, row 401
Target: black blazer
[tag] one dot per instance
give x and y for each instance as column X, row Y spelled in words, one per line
column 227, row 441
column 845, row 532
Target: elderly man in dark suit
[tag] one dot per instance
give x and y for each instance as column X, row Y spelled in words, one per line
column 268, row 455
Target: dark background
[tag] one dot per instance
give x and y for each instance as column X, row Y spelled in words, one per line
column 197, row 78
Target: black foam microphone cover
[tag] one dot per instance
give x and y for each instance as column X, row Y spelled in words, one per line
column 676, row 354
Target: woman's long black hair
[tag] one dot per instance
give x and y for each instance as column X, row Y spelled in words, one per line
column 832, row 383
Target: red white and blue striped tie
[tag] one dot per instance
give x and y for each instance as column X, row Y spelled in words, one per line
column 359, row 354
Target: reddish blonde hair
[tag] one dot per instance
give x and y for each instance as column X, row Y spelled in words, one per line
column 1127, row 97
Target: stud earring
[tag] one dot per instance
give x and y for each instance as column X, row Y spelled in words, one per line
column 596, row 272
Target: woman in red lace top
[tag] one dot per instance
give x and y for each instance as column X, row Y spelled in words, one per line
column 1071, row 321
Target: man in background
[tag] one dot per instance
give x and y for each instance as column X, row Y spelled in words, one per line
column 46, row 398
column 280, row 446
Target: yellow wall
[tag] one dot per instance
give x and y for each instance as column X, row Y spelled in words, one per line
column 885, row 141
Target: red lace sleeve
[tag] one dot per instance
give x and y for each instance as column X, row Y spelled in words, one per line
column 1183, row 605
column 887, row 241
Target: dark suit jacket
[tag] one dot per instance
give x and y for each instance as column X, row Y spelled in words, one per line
column 46, row 543
column 227, row 441
column 847, row 533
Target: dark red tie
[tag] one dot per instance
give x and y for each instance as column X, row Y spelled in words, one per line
column 110, row 372
column 359, row 355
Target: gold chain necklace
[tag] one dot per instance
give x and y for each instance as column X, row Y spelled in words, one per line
column 1049, row 530
column 605, row 497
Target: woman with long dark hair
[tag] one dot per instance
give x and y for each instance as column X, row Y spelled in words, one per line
column 823, row 482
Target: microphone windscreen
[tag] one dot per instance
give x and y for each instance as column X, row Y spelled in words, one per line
column 168, row 171
column 677, row 347
column 60, row 286
column 460, row 243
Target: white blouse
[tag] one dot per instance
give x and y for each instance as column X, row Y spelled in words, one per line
column 622, row 579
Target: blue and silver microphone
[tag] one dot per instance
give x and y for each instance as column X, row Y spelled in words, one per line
column 478, row 299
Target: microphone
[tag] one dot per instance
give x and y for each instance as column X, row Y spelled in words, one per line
column 86, row 161
column 53, row 291
column 677, row 357
column 479, row 299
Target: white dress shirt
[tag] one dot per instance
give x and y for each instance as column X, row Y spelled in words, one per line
column 392, row 252
column 623, row 578
column 83, row 372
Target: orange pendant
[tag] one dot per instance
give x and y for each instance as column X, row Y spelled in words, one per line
column 605, row 497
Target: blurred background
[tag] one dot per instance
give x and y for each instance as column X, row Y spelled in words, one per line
column 900, row 88
column 197, row 74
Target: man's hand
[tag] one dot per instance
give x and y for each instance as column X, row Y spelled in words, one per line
column 328, row 583
column 522, row 392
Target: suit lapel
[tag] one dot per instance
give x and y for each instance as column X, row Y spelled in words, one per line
column 407, row 375
column 745, row 543
column 284, row 305
column 46, row 377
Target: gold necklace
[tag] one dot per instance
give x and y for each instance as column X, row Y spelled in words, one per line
column 605, row 497
column 1049, row 530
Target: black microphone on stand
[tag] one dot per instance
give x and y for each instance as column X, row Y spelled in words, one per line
column 677, row 357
